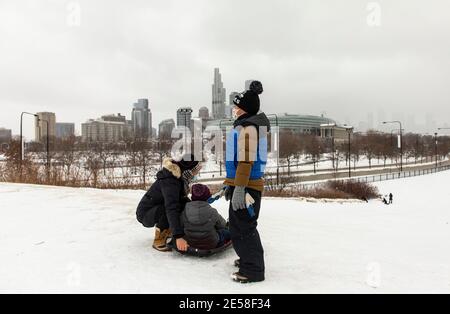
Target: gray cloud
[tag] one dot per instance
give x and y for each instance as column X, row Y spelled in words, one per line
column 312, row 56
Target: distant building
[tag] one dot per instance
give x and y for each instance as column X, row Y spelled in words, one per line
column 334, row 131
column 5, row 135
column 184, row 117
column 203, row 113
column 41, row 126
column 128, row 132
column 218, row 96
column 107, row 129
column 65, row 130
column 203, row 116
column 305, row 124
column 165, row 129
column 114, row 118
column 142, row 118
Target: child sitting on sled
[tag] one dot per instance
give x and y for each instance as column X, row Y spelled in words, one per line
column 204, row 227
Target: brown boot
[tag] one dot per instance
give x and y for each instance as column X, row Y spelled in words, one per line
column 160, row 241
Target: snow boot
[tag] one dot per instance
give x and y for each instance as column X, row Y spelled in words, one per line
column 160, row 241
column 238, row 277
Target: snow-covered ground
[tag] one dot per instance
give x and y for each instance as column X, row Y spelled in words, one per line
column 84, row 240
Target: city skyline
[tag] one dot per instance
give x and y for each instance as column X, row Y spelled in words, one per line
column 328, row 58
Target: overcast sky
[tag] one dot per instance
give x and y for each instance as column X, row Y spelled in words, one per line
column 321, row 56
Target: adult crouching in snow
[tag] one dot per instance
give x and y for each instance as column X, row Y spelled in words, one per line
column 246, row 156
column 164, row 202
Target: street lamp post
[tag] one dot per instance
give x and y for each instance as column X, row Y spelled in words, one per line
column 22, row 155
column 47, row 147
column 349, row 131
column 401, row 142
column 436, row 149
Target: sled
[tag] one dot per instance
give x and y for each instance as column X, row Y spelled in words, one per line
column 202, row 253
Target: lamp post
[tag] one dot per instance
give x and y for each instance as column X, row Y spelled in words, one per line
column 349, row 131
column 436, row 148
column 401, row 142
column 278, row 147
column 22, row 155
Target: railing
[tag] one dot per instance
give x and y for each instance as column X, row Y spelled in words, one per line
column 382, row 177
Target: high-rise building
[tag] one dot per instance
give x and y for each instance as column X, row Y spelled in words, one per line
column 65, row 130
column 218, row 96
column 41, row 126
column 370, row 121
column 107, row 129
column 114, row 118
column 165, row 129
column 247, row 84
column 142, row 118
column 184, row 116
column 5, row 136
column 203, row 113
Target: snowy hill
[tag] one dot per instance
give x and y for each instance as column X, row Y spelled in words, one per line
column 85, row 240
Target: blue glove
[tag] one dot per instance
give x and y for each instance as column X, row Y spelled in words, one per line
column 238, row 200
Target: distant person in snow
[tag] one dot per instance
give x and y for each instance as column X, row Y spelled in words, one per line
column 246, row 156
column 165, row 201
column 391, row 197
column 385, row 201
column 204, row 227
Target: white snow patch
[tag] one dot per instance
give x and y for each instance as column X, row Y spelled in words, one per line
column 56, row 239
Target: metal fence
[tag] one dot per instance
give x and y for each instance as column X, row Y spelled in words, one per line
column 380, row 177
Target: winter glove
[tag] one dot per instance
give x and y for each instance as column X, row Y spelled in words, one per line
column 228, row 193
column 238, row 200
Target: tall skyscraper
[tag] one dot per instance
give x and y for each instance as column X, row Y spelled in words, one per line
column 65, row 130
column 184, row 116
column 41, row 126
column 203, row 113
column 218, row 96
column 5, row 135
column 141, row 116
column 165, row 129
column 370, row 121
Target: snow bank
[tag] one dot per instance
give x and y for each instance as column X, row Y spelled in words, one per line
column 85, row 240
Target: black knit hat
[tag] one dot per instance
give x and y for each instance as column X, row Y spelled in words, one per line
column 188, row 162
column 249, row 100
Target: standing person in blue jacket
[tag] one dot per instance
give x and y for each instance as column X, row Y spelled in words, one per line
column 246, row 156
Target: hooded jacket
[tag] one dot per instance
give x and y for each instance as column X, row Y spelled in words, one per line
column 201, row 223
column 167, row 191
column 246, row 152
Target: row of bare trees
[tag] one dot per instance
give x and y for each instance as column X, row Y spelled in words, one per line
column 133, row 164
column 74, row 163
column 371, row 145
